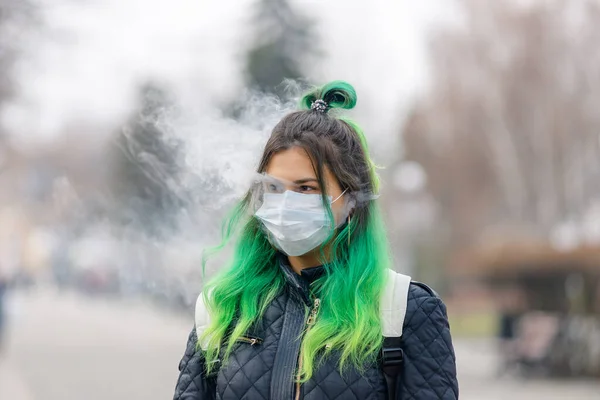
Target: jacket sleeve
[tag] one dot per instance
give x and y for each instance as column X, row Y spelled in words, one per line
column 192, row 383
column 429, row 368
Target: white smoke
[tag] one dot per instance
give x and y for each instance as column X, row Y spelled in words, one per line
column 86, row 59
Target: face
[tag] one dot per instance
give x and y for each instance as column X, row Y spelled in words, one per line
column 295, row 167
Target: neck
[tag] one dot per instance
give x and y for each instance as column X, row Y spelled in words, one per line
column 308, row 260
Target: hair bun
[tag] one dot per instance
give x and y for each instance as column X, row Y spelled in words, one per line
column 337, row 94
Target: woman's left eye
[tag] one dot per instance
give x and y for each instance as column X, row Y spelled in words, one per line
column 305, row 188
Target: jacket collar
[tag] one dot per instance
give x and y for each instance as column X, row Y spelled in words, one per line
column 300, row 283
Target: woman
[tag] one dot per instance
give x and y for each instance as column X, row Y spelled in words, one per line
column 298, row 312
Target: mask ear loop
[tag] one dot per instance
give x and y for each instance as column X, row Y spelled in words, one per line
column 337, row 198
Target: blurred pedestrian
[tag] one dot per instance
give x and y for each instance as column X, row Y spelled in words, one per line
column 309, row 307
column 511, row 308
column 3, row 290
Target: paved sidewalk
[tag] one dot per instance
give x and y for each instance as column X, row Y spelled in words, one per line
column 478, row 378
column 12, row 385
column 67, row 347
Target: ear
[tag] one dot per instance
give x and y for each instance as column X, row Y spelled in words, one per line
column 350, row 204
column 348, row 209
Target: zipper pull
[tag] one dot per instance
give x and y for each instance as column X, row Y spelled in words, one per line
column 313, row 312
column 250, row 340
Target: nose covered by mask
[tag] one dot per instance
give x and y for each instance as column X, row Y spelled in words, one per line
column 297, row 223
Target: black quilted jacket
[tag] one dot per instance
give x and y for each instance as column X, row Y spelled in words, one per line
column 263, row 367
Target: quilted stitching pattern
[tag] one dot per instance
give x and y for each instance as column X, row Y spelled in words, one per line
column 328, row 383
column 429, row 370
column 247, row 375
column 192, row 384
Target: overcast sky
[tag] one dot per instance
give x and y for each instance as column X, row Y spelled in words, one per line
column 89, row 55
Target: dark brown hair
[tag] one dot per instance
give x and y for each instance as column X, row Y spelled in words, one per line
column 329, row 141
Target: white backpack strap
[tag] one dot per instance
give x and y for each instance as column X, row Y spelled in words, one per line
column 202, row 319
column 393, row 303
column 392, row 309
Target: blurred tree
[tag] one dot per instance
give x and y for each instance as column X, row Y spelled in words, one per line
column 147, row 166
column 15, row 16
column 284, row 41
column 508, row 133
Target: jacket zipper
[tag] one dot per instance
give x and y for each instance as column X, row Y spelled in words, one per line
column 251, row 340
column 309, row 323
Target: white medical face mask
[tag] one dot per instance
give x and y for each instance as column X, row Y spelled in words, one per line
column 297, row 223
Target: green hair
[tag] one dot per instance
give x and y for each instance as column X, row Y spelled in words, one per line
column 348, row 322
column 340, row 94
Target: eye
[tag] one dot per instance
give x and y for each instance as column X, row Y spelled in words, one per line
column 272, row 188
column 307, row 189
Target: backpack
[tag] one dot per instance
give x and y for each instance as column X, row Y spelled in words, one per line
column 392, row 311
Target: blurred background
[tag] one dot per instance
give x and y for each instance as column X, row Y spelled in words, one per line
column 128, row 127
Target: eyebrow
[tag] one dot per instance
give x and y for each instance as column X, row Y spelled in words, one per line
column 305, row 180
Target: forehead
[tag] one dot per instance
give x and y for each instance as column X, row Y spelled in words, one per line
column 291, row 164
column 294, row 164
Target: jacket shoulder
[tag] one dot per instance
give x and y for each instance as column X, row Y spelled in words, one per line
column 422, row 301
column 429, row 369
column 419, row 289
column 423, row 304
